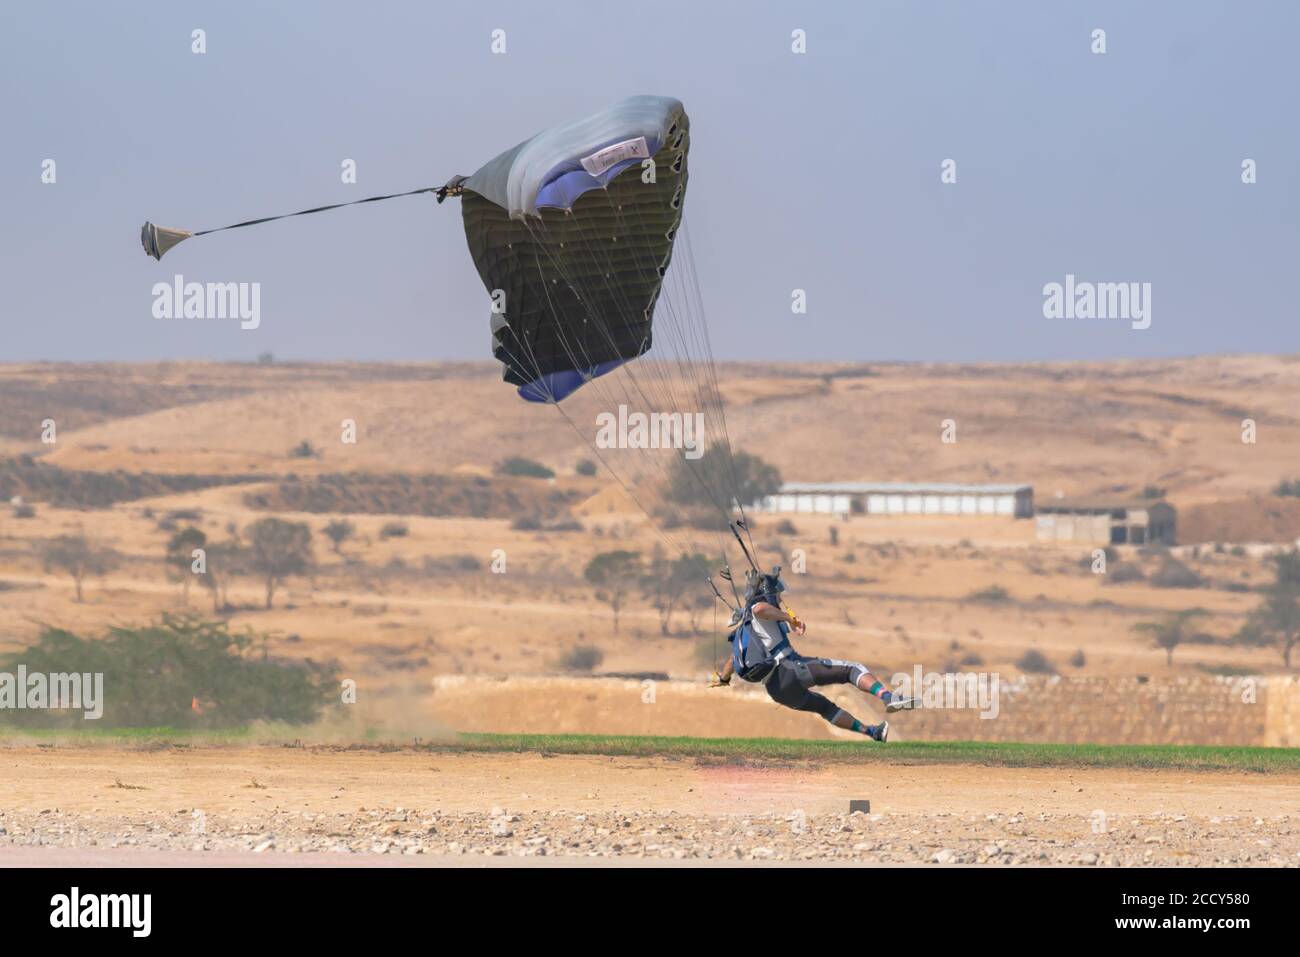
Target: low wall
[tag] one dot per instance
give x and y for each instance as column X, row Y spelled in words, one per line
column 1183, row 710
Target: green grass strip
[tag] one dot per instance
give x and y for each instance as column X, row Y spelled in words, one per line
column 1004, row 754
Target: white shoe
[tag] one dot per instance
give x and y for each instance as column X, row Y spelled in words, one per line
column 902, row 704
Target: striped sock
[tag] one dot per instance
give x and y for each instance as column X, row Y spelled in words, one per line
column 861, row 728
column 881, row 692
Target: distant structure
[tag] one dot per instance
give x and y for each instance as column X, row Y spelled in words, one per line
column 901, row 498
column 1106, row 522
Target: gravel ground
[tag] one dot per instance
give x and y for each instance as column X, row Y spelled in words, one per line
column 992, row 839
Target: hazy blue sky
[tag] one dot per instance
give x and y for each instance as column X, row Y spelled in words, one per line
column 818, row 171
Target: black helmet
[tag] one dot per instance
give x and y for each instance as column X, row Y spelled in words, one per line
column 760, row 587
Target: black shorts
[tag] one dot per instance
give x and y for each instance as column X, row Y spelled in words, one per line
column 793, row 678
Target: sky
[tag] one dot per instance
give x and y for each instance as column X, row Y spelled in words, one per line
column 818, row 171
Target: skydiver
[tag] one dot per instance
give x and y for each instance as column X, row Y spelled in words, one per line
column 761, row 653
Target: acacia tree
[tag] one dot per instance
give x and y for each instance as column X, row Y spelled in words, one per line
column 78, row 556
column 225, row 561
column 668, row 580
column 613, row 573
column 1171, row 631
column 338, row 532
column 1276, row 621
column 179, row 558
column 698, row 481
column 278, row 549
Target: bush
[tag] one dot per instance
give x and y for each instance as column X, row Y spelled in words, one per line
column 583, row 658
column 1124, row 572
column 303, row 450
column 24, row 511
column 180, row 672
column 1035, row 662
column 524, row 468
column 452, row 564
column 1288, row 489
column 993, row 595
column 1077, row 660
column 786, row 527
column 394, row 530
column 1175, row 574
column 585, row 467
column 527, row 523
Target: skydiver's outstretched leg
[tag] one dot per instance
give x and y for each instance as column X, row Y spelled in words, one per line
column 832, row 671
column 789, row 685
column 877, row 732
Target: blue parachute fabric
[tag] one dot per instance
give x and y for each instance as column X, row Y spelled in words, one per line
column 554, row 386
column 563, row 185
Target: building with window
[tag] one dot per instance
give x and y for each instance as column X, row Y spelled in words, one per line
column 1106, row 522
column 902, row 498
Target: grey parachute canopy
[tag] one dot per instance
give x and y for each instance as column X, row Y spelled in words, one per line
column 572, row 233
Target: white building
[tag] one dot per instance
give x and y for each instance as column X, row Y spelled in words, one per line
column 901, row 498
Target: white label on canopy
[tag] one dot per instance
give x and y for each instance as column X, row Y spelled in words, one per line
column 601, row 160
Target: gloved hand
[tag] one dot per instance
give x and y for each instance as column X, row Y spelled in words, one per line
column 717, row 681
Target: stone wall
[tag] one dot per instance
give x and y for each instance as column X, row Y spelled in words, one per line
column 1184, row 710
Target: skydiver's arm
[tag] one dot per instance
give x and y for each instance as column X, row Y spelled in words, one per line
column 772, row 613
column 723, row 676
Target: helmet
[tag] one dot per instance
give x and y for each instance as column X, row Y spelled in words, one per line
column 761, row 587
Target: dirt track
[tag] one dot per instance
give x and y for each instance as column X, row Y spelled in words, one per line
column 227, row 805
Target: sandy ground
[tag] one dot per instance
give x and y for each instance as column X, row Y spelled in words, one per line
column 220, row 806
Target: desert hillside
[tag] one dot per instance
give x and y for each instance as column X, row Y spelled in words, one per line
column 451, row 567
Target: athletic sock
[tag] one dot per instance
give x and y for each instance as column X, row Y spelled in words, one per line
column 881, row 692
column 861, row 728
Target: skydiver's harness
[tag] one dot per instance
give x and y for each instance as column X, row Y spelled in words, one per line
column 752, row 659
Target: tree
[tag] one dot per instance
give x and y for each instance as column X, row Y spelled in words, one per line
column 699, row 482
column 179, row 558
column 613, row 574
column 1172, row 631
column 278, row 549
column 697, row 606
column 1276, row 621
column 667, row 580
column 225, row 561
column 338, row 532
column 78, row 556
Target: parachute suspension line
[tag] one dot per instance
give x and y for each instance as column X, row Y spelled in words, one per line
column 596, row 451
column 698, row 331
column 585, row 362
column 602, row 328
column 711, row 368
column 663, row 379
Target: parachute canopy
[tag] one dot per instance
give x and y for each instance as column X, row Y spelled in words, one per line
column 572, row 232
